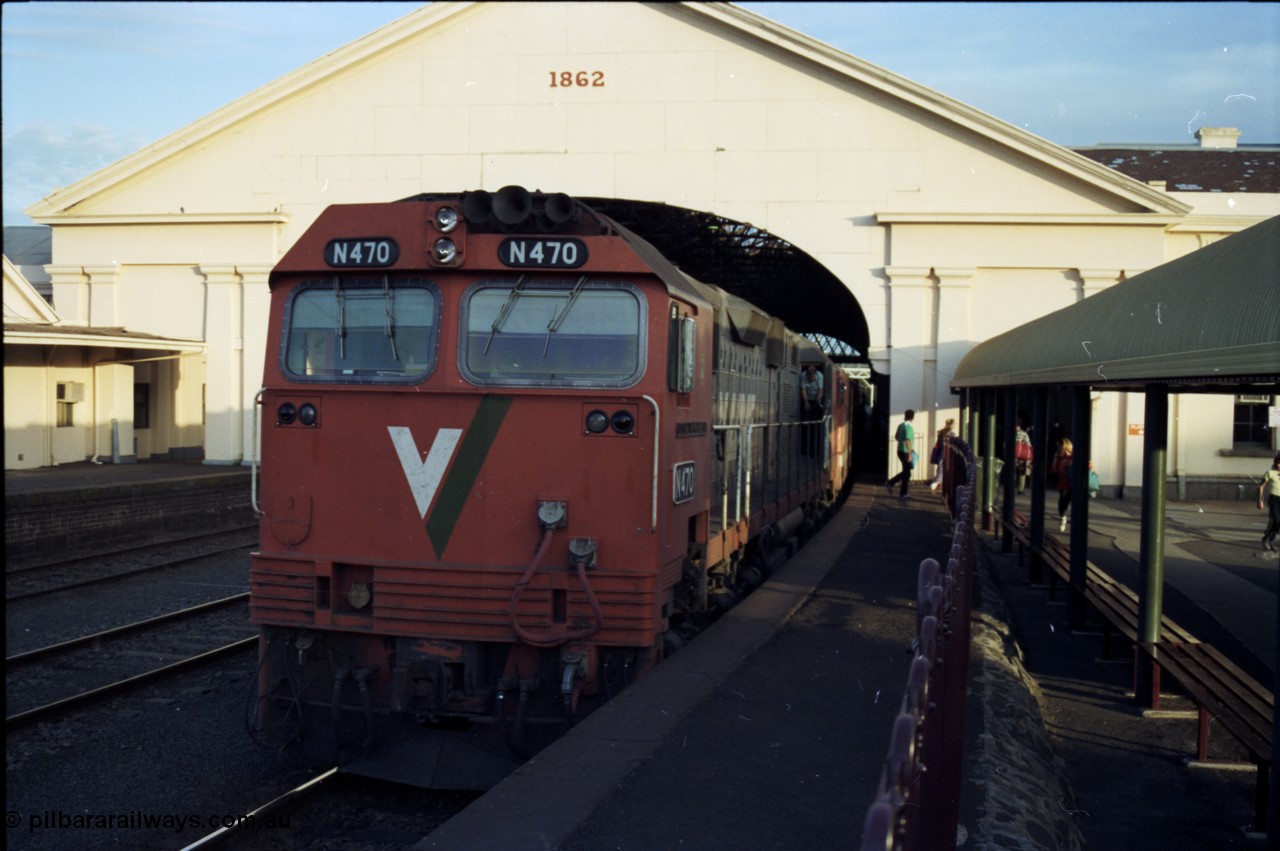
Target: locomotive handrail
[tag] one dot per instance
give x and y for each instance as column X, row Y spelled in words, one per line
column 751, row 427
column 257, row 453
column 657, row 438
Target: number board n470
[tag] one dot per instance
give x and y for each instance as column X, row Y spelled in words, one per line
column 368, row 251
column 542, row 253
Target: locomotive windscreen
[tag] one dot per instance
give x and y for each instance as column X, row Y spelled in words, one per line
column 547, row 335
column 361, row 332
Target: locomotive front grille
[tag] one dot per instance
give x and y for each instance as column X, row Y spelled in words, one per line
column 452, row 603
column 282, row 592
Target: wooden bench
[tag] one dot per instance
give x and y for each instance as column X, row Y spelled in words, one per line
column 1116, row 602
column 1225, row 694
column 1220, row 690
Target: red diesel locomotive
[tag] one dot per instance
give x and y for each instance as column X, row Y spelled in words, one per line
column 510, row 455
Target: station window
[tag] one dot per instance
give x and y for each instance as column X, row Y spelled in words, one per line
column 68, row 394
column 141, row 406
column 1249, row 425
column 67, row 397
column 553, row 334
column 361, row 331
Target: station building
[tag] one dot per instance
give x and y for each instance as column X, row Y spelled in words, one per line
column 946, row 225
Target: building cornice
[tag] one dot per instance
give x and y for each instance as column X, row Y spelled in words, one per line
column 126, row 219
column 1162, row 220
column 63, row 335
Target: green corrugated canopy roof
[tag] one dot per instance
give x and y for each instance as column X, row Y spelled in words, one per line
column 1208, row 321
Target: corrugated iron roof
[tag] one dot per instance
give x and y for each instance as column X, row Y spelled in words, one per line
column 1209, row 319
column 1188, row 169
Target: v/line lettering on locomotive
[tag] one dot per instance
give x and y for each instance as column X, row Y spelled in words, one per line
column 525, row 567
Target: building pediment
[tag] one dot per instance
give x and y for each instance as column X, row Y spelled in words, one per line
column 735, row 28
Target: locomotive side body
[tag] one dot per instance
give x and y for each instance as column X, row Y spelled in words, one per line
column 492, row 432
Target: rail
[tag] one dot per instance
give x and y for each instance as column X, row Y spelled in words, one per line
column 917, row 805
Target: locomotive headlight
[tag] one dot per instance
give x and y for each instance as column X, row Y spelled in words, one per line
column 286, row 413
column 597, row 422
column 446, row 219
column 623, row 422
column 307, row 414
column 446, row 250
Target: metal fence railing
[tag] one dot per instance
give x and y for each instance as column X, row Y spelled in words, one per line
column 917, row 805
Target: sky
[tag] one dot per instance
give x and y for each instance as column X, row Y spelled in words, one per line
column 84, row 84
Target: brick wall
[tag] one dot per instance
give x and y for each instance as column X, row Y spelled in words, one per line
column 43, row 527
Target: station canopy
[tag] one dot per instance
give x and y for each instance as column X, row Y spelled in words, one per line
column 751, row 263
column 1206, row 322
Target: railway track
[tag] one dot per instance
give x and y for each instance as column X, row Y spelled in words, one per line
column 57, row 678
column 53, row 577
column 337, row 810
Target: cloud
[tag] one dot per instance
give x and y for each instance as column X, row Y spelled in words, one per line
column 39, row 158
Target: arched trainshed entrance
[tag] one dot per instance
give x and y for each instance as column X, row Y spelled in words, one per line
column 780, row 279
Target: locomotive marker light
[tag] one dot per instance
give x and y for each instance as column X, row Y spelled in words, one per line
column 597, row 422
column 623, row 422
column 307, row 414
column 445, row 250
column 286, row 414
column 446, row 219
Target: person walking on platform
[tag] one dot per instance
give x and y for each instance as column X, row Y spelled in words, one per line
column 1062, row 469
column 1269, row 493
column 939, row 449
column 905, row 437
column 1022, row 453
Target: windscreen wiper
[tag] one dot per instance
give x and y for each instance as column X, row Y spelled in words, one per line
column 342, row 319
column 558, row 320
column 505, row 311
column 389, row 304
